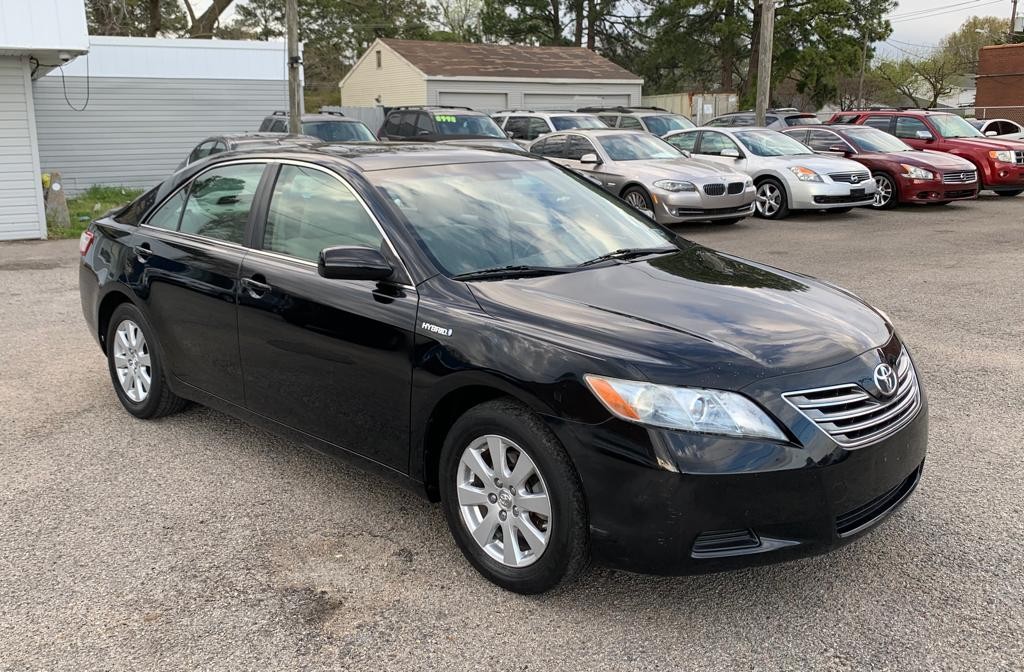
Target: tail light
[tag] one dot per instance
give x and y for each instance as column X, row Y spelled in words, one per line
column 85, row 242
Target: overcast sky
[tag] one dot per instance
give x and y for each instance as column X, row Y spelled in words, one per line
column 925, row 22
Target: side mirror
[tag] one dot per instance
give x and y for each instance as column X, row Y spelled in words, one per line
column 353, row 263
column 509, row 134
column 590, row 158
column 685, row 152
column 924, row 135
column 990, row 133
column 422, row 132
column 730, row 152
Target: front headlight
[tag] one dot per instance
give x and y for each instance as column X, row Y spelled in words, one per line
column 1004, row 155
column 692, row 409
column 675, row 185
column 805, row 174
column 917, row 173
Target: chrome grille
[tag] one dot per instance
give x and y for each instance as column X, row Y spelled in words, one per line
column 714, row 189
column 1019, row 155
column 852, row 178
column 854, row 418
column 960, row 177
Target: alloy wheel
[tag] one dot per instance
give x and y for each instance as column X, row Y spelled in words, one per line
column 768, row 199
column 637, row 200
column 504, row 501
column 884, row 193
column 132, row 361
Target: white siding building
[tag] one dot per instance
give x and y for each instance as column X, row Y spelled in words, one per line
column 34, row 36
column 148, row 101
column 487, row 77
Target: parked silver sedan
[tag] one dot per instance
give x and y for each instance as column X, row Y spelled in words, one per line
column 651, row 175
column 788, row 174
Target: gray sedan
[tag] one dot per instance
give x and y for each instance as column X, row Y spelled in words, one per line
column 788, row 174
column 651, row 175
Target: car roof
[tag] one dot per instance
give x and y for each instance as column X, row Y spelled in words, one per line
column 595, row 131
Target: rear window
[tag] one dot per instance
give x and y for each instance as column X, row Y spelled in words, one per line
column 803, row 120
column 338, row 131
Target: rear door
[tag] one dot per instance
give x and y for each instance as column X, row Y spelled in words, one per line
column 188, row 255
column 330, row 358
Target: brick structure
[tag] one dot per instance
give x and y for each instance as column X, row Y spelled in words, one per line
column 1000, row 82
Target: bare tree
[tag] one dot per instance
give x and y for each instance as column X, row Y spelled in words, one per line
column 202, row 26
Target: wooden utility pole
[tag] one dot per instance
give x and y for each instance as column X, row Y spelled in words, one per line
column 764, row 60
column 860, row 86
column 1013, row 21
column 294, row 63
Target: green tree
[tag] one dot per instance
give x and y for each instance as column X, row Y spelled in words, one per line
column 135, row 18
column 976, row 32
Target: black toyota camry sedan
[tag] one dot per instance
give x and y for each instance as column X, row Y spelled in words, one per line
column 568, row 378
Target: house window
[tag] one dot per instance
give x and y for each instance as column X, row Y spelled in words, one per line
column 378, row 58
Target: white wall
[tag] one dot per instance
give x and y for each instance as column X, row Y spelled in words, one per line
column 21, row 194
column 28, row 26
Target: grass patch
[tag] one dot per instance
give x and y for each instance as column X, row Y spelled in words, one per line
column 89, row 205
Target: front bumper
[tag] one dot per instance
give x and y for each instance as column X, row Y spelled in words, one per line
column 689, row 206
column 934, row 191
column 665, row 502
column 828, row 195
column 1004, row 176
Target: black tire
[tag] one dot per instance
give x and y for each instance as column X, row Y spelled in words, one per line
column 641, row 194
column 567, row 550
column 886, row 183
column 766, row 211
column 159, row 400
column 1009, row 193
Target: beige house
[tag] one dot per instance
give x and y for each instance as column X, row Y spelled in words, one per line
column 486, row 77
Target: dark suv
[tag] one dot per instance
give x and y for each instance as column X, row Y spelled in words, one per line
column 1000, row 162
column 328, row 126
column 434, row 123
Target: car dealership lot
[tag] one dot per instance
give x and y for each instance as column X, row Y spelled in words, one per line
column 198, row 542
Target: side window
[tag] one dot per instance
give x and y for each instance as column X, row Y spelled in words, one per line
column 518, row 127
column 167, row 216
column 407, row 125
column 218, row 147
column 391, row 125
column 201, row 151
column 538, row 127
column 500, row 121
column 219, row 200
column 630, row 122
column 279, row 126
column 907, row 127
column 799, row 136
column 265, row 126
column 769, row 120
column 539, row 147
column 683, row 141
column 610, row 119
column 553, row 148
column 824, row 141
column 577, row 147
column 424, row 126
column 881, row 122
column 712, row 143
column 845, row 119
column 310, row 210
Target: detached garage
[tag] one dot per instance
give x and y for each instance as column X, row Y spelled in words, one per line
column 487, row 77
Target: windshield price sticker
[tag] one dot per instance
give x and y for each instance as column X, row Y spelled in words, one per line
column 446, row 118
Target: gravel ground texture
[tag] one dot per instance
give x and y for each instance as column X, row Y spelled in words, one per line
column 197, row 542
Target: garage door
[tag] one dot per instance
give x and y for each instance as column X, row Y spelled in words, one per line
column 562, row 101
column 486, row 102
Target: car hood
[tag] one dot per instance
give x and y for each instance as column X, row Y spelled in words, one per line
column 660, row 169
column 693, row 316
column 986, row 143
column 937, row 160
column 819, row 163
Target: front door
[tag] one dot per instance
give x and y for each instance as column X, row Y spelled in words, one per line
column 188, row 255
column 331, row 358
column 712, row 144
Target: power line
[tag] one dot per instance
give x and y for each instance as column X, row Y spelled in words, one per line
column 932, row 9
column 948, row 11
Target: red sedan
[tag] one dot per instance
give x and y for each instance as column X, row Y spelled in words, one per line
column 903, row 174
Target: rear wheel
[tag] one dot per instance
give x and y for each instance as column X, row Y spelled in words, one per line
column 639, row 199
column 1011, row 192
column 512, row 498
column 886, row 196
column 136, row 369
column 771, row 201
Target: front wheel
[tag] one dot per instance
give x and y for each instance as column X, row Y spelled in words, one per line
column 1010, row 193
column 639, row 199
column 770, row 201
column 135, row 366
column 886, row 196
column 512, row 498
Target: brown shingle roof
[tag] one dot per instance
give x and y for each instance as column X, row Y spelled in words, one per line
column 451, row 59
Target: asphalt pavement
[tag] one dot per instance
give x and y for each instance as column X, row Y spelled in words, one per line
column 197, row 542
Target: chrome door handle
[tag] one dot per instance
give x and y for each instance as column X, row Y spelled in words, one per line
column 142, row 252
column 255, row 288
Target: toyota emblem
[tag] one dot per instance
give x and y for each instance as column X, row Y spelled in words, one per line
column 886, row 379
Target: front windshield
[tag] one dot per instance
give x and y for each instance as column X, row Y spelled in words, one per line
column 581, row 121
column 868, row 139
column 666, row 123
column 449, row 123
column 636, row 147
column 771, row 143
column 952, row 126
column 475, row 216
column 338, row 131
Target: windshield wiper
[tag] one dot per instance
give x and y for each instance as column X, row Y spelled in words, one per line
column 629, row 253
column 520, row 271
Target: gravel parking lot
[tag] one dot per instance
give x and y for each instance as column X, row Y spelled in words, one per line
column 196, row 542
